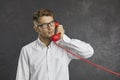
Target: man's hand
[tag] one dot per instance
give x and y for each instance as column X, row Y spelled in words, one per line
column 60, row 30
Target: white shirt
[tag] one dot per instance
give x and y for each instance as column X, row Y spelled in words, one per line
column 38, row 62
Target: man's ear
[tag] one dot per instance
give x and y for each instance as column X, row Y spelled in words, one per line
column 35, row 28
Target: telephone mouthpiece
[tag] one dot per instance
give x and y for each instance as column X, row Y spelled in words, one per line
column 56, row 37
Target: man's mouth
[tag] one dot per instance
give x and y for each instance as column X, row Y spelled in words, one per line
column 51, row 32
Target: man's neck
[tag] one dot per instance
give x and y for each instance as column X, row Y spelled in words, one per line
column 46, row 41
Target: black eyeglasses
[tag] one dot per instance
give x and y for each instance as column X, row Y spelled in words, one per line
column 45, row 25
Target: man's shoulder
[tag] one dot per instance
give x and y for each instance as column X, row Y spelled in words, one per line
column 30, row 45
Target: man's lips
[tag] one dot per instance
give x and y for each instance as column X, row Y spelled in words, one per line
column 51, row 32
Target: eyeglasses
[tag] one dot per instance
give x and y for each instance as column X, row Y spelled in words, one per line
column 45, row 25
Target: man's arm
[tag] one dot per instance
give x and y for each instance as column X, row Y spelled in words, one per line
column 23, row 68
column 77, row 46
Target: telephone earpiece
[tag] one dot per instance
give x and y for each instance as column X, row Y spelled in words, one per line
column 57, row 24
column 56, row 37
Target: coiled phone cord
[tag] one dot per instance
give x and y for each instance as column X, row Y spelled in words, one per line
column 89, row 62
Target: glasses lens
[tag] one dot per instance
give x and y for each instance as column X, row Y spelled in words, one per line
column 45, row 25
column 52, row 23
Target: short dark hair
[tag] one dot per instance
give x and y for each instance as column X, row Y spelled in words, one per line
column 42, row 12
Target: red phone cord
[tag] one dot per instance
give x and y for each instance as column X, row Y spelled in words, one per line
column 89, row 62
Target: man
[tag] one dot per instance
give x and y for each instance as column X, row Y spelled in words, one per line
column 42, row 59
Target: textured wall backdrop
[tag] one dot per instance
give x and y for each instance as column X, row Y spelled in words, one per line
column 94, row 21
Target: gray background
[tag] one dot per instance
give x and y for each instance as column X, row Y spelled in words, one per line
column 94, row 21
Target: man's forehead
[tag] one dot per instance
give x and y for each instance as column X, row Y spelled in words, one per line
column 45, row 19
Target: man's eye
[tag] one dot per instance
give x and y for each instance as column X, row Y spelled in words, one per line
column 44, row 24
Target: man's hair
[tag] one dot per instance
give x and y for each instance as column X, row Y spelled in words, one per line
column 42, row 12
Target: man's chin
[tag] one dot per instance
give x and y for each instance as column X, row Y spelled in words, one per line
column 50, row 36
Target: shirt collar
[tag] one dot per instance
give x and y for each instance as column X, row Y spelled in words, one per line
column 40, row 43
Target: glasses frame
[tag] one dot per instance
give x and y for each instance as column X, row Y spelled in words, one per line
column 45, row 25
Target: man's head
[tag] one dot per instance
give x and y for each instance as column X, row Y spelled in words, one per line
column 44, row 22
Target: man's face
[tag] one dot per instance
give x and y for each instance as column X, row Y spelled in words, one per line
column 47, row 26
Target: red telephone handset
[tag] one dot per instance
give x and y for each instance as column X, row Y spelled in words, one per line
column 56, row 37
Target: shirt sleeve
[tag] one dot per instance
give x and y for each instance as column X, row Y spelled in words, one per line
column 79, row 47
column 23, row 67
